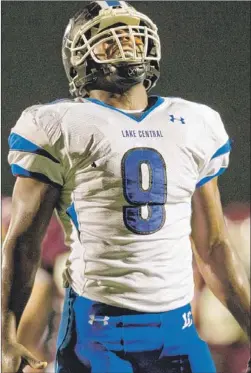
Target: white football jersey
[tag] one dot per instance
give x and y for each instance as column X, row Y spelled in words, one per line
column 126, row 183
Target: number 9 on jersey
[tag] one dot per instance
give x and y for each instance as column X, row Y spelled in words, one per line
column 145, row 189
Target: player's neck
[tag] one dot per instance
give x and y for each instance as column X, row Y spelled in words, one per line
column 134, row 99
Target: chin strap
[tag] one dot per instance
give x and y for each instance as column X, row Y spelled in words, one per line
column 118, row 78
column 115, row 78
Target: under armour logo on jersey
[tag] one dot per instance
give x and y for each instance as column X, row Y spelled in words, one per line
column 173, row 119
column 94, row 318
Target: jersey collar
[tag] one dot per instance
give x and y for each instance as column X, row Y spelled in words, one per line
column 138, row 118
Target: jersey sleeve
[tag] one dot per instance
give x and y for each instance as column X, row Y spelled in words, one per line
column 217, row 145
column 34, row 147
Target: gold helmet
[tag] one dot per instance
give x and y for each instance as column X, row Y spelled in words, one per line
column 109, row 22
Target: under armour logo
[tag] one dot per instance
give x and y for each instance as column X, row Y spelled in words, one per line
column 172, row 119
column 94, row 318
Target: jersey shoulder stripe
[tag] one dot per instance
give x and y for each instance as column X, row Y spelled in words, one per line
column 208, row 178
column 17, row 142
column 226, row 148
column 20, row 171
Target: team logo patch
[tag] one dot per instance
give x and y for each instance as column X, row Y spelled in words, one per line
column 132, row 71
column 188, row 320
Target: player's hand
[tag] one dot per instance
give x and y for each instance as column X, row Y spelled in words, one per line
column 15, row 357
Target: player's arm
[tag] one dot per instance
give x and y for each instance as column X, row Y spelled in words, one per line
column 32, row 206
column 30, row 331
column 218, row 262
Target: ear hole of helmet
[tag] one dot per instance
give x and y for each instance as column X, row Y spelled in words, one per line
column 73, row 72
column 147, row 84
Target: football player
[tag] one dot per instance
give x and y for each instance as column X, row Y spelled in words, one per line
column 137, row 174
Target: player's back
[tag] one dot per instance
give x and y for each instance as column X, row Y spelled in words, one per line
column 127, row 181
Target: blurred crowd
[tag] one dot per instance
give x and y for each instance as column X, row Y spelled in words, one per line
column 40, row 321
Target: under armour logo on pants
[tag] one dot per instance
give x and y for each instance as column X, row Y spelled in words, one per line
column 94, row 318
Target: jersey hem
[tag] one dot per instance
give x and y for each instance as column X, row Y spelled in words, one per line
column 173, row 305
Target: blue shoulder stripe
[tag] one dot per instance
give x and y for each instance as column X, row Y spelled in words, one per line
column 223, row 150
column 208, row 178
column 17, row 142
column 20, row 171
column 71, row 212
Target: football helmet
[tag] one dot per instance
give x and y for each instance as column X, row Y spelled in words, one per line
column 110, row 22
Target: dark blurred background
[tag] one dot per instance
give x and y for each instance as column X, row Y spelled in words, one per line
column 206, row 58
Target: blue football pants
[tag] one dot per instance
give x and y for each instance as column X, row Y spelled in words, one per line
column 97, row 338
